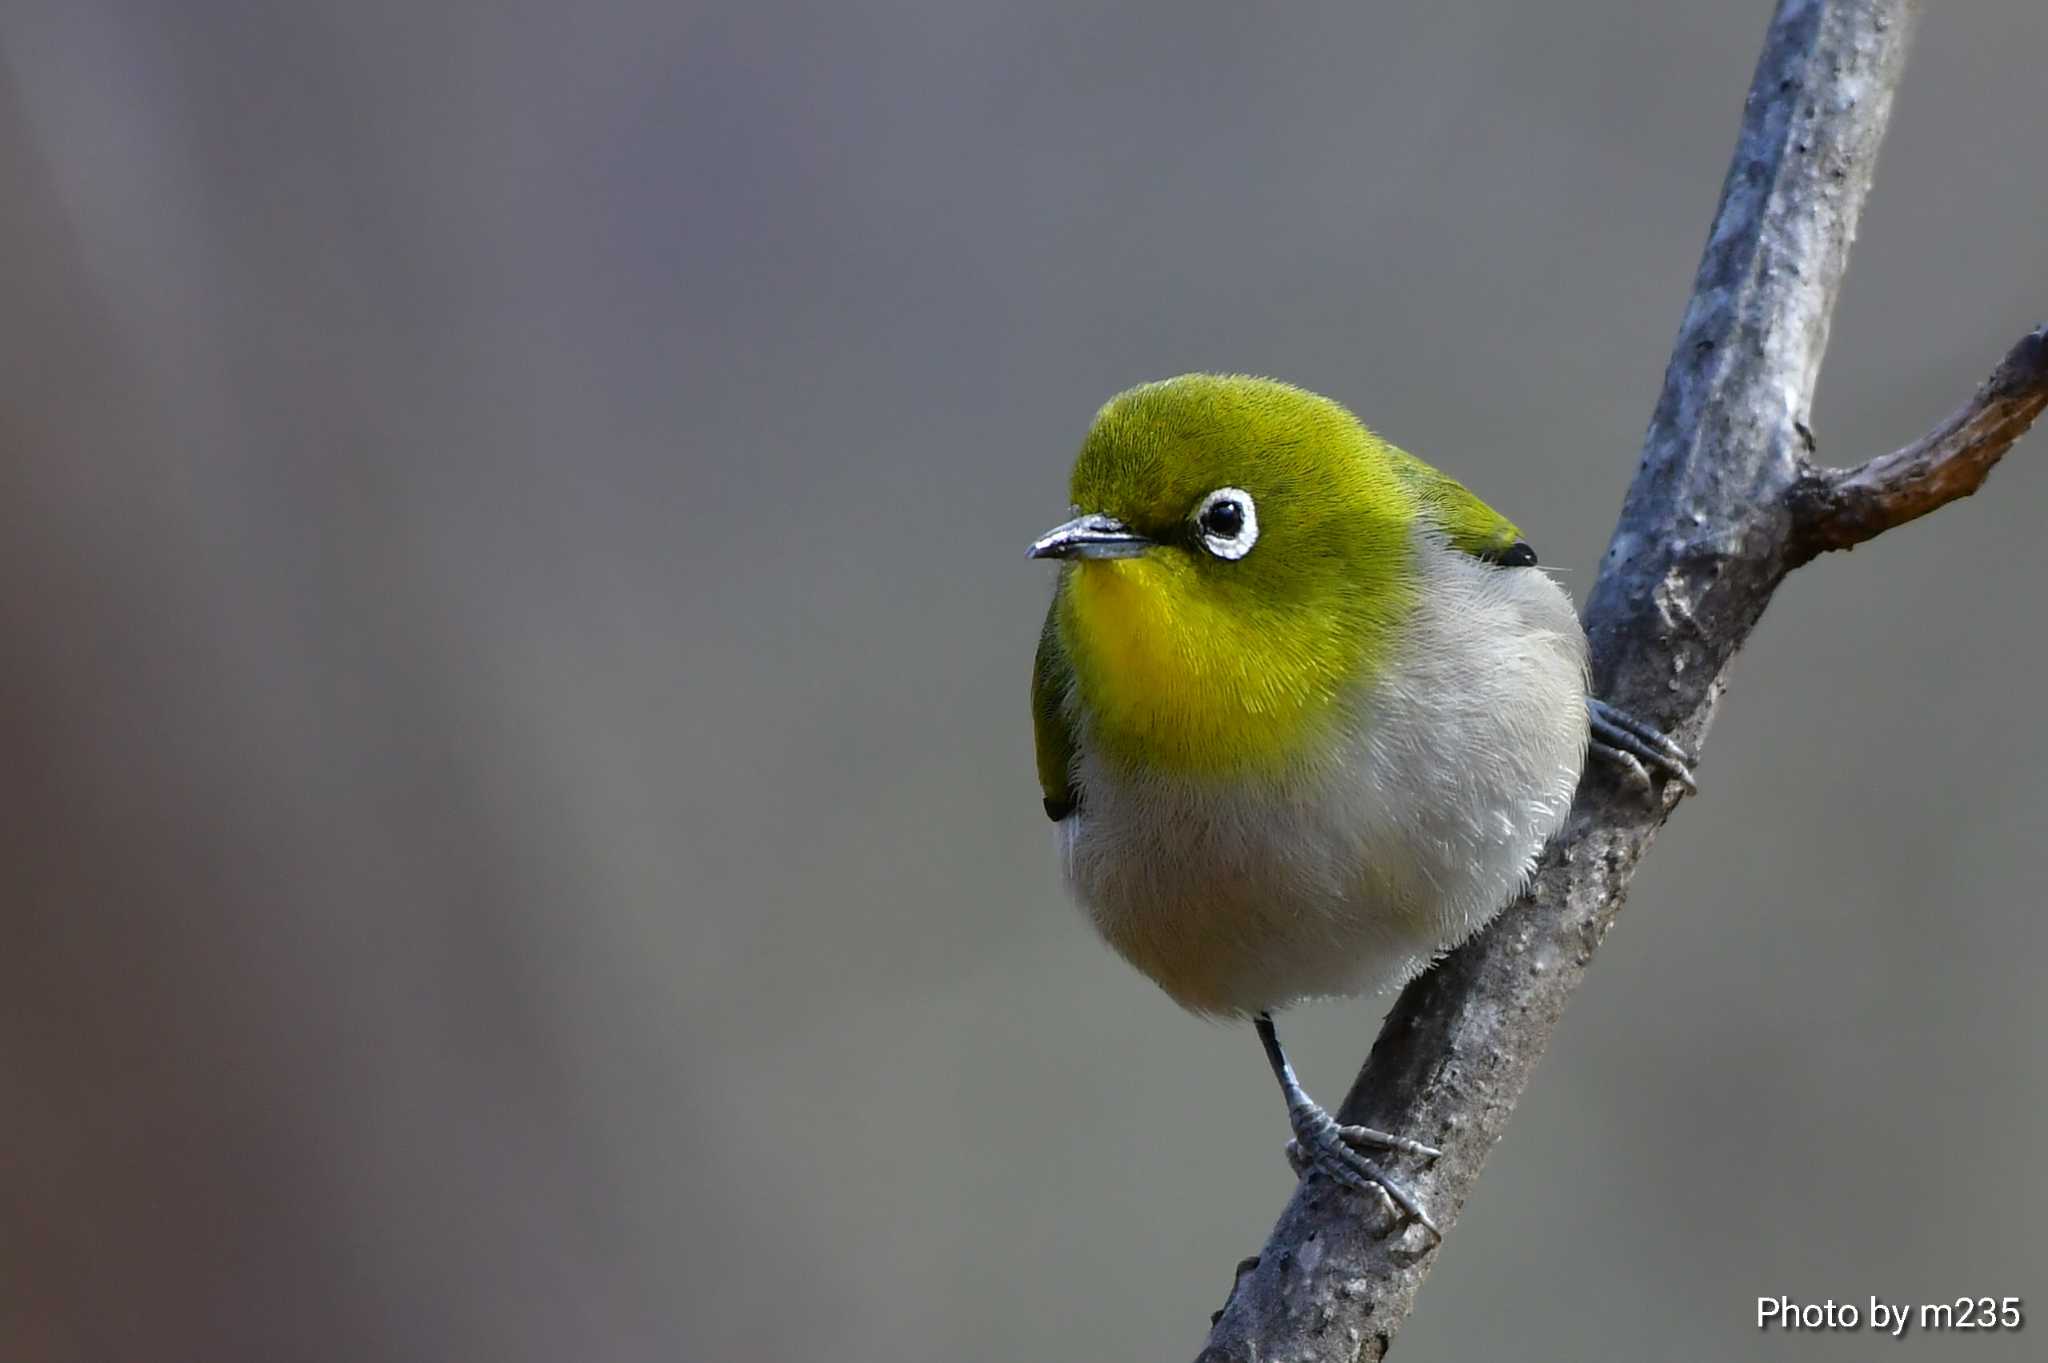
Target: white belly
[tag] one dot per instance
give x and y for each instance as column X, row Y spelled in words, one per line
column 1352, row 874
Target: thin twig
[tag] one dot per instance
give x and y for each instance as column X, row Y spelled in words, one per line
column 1841, row 508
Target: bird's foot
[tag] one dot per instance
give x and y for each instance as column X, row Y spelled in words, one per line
column 1322, row 1146
column 1367, row 1138
column 1637, row 748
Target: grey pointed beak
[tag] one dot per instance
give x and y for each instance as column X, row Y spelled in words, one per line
column 1091, row 536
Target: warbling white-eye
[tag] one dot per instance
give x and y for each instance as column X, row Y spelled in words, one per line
column 1306, row 712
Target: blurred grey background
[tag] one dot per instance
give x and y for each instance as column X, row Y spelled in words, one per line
column 520, row 838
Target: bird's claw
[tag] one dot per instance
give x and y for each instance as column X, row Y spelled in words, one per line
column 1638, row 748
column 1321, row 1146
column 1365, row 1136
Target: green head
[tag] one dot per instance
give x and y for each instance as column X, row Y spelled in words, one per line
column 1244, row 555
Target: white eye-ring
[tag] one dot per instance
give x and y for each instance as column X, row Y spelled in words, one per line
column 1228, row 522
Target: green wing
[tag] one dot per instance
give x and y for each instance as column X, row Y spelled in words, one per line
column 1471, row 524
column 1052, row 676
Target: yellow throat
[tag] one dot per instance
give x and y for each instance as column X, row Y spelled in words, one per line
column 1180, row 680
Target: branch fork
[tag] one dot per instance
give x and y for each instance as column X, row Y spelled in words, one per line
column 1727, row 501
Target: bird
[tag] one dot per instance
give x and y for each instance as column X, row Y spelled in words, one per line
column 1306, row 711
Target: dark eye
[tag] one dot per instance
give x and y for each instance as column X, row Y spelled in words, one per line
column 1224, row 519
column 1228, row 523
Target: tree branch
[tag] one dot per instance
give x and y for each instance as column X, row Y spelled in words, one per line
column 1720, row 510
column 1841, row 508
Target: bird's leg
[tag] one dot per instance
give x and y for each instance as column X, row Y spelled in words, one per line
column 1322, row 1146
column 1637, row 748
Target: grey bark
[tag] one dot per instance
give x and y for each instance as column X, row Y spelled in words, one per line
column 1724, row 504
